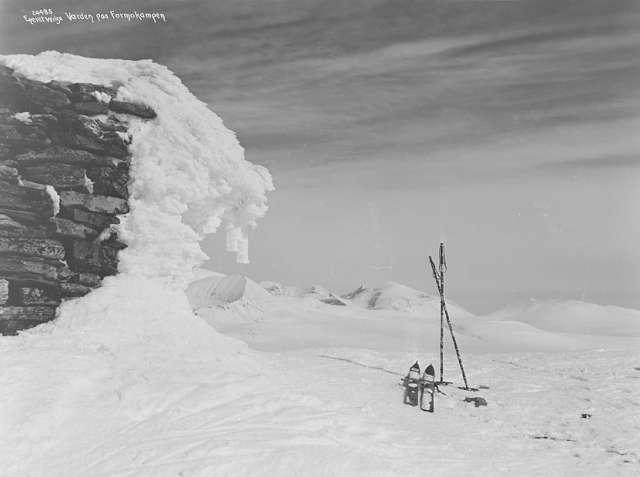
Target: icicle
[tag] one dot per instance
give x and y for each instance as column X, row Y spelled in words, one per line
column 243, row 248
column 234, row 234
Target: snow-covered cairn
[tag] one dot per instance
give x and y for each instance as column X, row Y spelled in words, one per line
column 100, row 155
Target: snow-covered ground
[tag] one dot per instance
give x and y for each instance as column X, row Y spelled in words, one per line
column 315, row 393
column 129, row 382
column 538, row 385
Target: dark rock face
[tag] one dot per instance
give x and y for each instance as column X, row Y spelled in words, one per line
column 54, row 149
column 69, row 229
column 25, row 135
column 91, row 107
column 132, row 108
column 72, row 290
column 4, row 291
column 29, row 294
column 110, row 180
column 94, row 220
column 9, row 174
column 14, row 229
column 95, row 203
column 101, row 137
column 44, row 99
column 92, row 257
column 35, row 247
column 15, row 199
column 61, row 176
column 35, row 269
column 66, row 155
column 16, row 318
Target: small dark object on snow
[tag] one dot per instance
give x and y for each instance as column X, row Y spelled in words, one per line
column 585, row 415
column 333, row 300
column 552, row 438
column 477, row 401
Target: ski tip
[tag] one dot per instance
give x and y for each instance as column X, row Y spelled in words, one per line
column 416, row 365
column 430, row 370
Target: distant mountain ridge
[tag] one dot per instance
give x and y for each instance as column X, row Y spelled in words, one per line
column 572, row 316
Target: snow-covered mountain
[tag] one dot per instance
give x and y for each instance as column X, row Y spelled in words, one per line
column 399, row 297
column 219, row 289
column 322, row 294
column 391, row 296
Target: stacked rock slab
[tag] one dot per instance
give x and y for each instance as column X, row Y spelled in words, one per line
column 64, row 171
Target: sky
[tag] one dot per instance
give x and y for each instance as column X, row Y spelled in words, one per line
column 508, row 129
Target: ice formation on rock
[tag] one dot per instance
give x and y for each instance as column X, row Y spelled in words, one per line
column 189, row 172
column 189, row 176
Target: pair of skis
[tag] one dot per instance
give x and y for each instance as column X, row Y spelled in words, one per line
column 416, row 386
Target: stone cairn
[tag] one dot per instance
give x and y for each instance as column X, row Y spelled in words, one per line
column 64, row 172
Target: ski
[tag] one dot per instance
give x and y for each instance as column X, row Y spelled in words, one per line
column 428, row 386
column 412, row 385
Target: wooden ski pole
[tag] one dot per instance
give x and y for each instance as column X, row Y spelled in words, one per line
column 441, row 270
column 441, row 293
column 455, row 345
column 435, row 276
column 446, row 314
column 441, row 340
